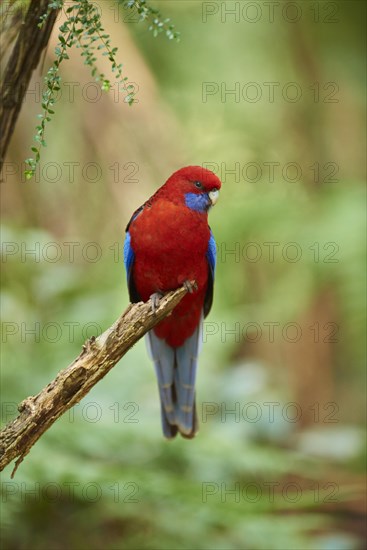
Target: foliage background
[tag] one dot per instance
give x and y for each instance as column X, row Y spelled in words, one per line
column 132, row 489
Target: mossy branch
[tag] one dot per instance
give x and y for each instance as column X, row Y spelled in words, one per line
column 98, row 357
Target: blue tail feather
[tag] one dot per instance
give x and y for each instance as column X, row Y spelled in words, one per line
column 176, row 374
column 185, row 375
column 164, row 359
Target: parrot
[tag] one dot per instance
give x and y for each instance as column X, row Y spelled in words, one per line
column 168, row 243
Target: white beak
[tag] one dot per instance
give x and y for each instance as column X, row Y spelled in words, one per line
column 213, row 196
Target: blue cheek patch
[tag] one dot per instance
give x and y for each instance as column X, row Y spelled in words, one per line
column 197, row 201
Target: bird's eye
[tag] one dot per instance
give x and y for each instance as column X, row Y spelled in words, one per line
column 198, row 184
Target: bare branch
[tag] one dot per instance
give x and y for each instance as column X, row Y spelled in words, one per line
column 99, row 355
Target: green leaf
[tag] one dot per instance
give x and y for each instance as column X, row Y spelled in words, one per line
column 28, row 174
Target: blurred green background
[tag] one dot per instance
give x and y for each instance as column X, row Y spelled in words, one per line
column 285, row 341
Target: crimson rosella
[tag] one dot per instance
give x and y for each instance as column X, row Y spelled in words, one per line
column 169, row 243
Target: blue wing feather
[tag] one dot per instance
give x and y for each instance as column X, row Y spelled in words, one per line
column 211, row 255
column 129, row 258
column 128, row 254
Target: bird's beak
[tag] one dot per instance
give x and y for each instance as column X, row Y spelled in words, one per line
column 213, row 196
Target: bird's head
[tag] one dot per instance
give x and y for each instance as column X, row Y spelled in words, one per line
column 197, row 186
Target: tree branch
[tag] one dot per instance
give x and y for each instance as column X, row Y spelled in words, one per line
column 24, row 58
column 99, row 355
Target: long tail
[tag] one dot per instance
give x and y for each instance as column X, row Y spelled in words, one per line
column 176, row 373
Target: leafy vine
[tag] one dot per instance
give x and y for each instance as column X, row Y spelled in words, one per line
column 83, row 29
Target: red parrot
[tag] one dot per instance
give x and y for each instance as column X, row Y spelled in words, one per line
column 169, row 243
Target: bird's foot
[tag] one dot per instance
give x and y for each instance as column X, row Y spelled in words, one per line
column 155, row 300
column 190, row 287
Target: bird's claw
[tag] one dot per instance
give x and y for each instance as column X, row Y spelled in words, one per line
column 190, row 287
column 155, row 300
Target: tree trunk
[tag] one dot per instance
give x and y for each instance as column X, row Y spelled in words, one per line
column 24, row 58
